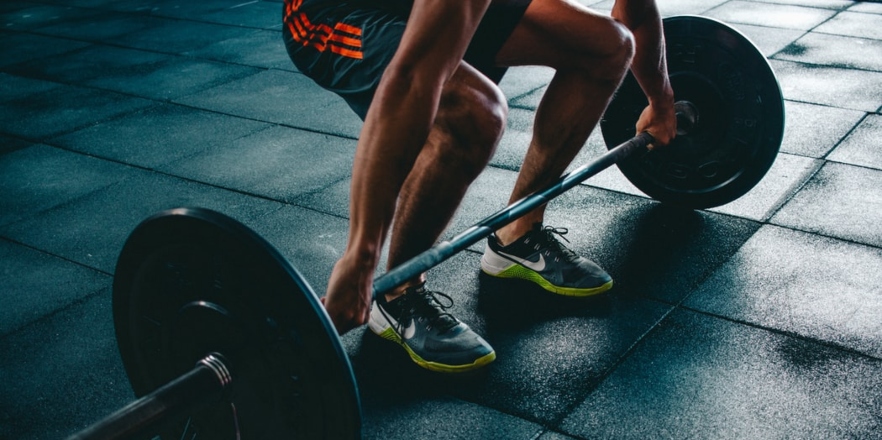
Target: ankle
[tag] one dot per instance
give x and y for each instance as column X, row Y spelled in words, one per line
column 402, row 289
column 514, row 231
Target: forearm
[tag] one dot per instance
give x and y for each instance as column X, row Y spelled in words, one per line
column 649, row 65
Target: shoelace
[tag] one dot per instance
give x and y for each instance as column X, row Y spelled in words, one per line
column 425, row 305
column 555, row 244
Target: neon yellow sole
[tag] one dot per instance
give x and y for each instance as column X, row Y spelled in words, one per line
column 520, row 272
column 391, row 335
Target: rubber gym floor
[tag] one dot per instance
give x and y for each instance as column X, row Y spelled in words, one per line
column 761, row 318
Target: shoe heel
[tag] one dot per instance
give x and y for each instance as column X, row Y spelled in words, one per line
column 493, row 264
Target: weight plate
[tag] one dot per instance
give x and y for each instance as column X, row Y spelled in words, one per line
column 740, row 123
column 190, row 282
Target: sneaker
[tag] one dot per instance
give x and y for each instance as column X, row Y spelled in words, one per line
column 540, row 257
column 433, row 338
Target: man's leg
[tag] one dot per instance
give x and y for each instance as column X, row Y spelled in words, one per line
column 471, row 119
column 591, row 54
column 469, row 123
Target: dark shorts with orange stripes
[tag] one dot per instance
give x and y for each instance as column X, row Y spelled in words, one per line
column 345, row 45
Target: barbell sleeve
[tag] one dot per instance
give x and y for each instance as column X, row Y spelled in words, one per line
column 208, row 382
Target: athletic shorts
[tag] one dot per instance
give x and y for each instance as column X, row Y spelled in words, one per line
column 345, row 45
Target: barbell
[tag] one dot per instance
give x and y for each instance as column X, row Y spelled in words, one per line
column 222, row 338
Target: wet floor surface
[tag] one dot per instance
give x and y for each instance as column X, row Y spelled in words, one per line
column 756, row 319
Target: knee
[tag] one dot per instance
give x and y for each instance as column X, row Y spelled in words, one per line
column 618, row 51
column 472, row 119
column 624, row 41
column 474, row 113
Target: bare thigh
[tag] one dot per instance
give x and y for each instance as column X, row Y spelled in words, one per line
column 562, row 34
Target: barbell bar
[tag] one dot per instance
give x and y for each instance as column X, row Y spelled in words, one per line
column 222, row 337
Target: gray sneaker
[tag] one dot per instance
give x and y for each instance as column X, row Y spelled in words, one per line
column 540, row 257
column 433, row 338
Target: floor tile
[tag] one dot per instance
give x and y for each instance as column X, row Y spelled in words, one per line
column 603, row 7
column 270, row 163
column 843, row 88
column 158, row 135
column 853, row 24
column 172, row 79
column 443, row 418
column 92, row 230
column 515, row 140
column 35, row 284
column 14, row 87
column 816, row 287
column 529, row 331
column 69, row 367
column 841, row 201
column 170, row 37
column 257, row 14
column 283, row 98
column 312, row 242
column 530, row 100
column 332, row 199
column 259, row 48
column 551, row 354
column 835, row 51
column 191, row 10
column 866, row 6
column 551, row 435
column 694, row 7
column 697, row 376
column 62, row 110
column 522, row 80
column 106, row 26
column 9, row 144
column 94, row 4
column 828, row 4
column 814, row 130
column 769, row 40
column 92, row 63
column 786, row 176
column 15, row 5
column 770, row 15
column 20, row 47
column 860, row 147
column 141, row 73
column 41, row 15
column 651, row 250
column 40, row 177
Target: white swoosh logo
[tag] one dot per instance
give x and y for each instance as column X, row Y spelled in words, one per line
column 408, row 332
column 537, row 266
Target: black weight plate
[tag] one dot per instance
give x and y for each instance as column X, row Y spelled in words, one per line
column 740, row 124
column 190, row 282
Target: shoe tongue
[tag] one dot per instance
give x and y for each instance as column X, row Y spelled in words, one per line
column 442, row 320
column 419, row 290
column 445, row 322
